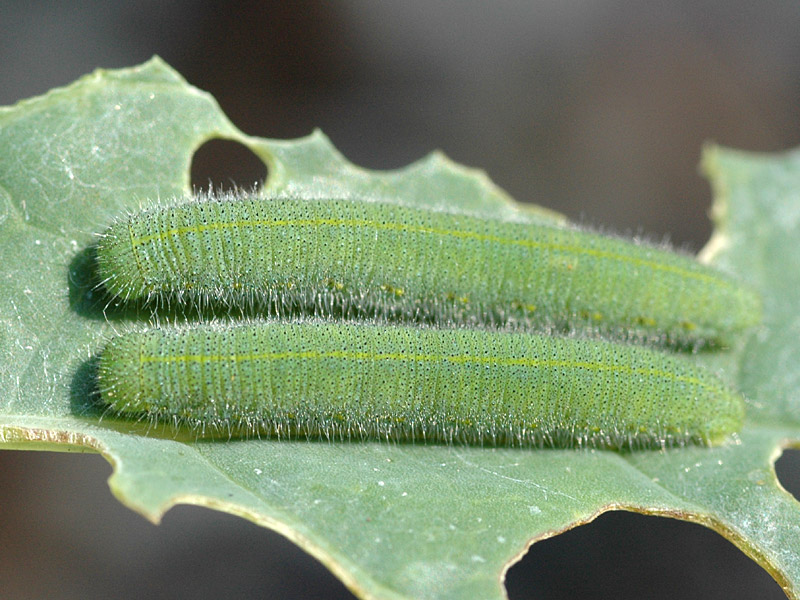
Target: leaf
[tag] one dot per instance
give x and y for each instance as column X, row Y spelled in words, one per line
column 392, row 521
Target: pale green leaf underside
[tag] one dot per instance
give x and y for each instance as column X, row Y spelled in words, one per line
column 392, row 521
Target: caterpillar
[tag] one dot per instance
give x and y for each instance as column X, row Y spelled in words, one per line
column 351, row 258
column 364, row 381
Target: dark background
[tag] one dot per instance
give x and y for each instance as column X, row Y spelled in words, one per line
column 596, row 109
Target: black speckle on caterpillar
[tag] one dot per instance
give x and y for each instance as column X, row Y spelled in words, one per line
column 358, row 381
column 351, row 258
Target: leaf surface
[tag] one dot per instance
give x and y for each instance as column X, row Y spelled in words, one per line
column 392, row 521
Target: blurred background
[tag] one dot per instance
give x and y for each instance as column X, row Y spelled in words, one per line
column 598, row 109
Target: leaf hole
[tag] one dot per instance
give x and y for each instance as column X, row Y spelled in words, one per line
column 627, row 555
column 787, row 469
column 224, row 165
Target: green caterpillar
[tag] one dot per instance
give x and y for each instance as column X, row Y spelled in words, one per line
column 368, row 381
column 351, row 258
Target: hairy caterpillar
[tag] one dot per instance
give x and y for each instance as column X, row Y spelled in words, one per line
column 354, row 258
column 370, row 381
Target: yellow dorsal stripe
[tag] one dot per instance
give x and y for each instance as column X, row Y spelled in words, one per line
column 440, row 358
column 577, row 250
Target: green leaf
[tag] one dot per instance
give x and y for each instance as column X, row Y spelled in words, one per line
column 392, row 521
